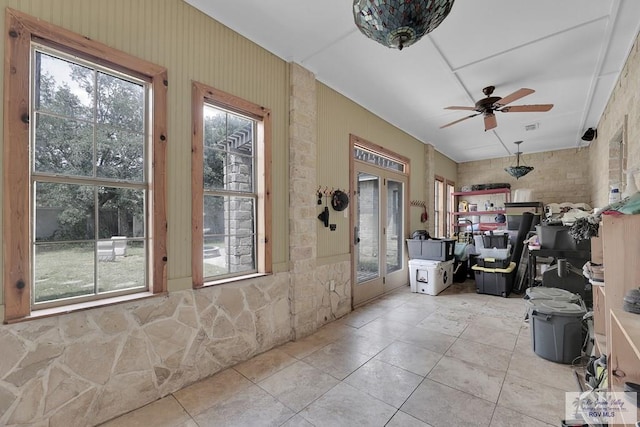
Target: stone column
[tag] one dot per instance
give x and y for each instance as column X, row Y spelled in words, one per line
column 302, row 200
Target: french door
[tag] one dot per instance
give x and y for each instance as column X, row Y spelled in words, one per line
column 378, row 231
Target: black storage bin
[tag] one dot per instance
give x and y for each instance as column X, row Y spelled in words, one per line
column 498, row 241
column 493, row 262
column 558, row 237
column 493, row 281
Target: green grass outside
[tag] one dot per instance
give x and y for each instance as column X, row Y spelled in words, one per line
column 66, row 271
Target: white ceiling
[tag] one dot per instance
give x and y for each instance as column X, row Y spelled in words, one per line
column 569, row 51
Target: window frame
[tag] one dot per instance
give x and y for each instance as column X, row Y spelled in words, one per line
column 439, row 206
column 21, row 29
column 450, row 188
column 202, row 95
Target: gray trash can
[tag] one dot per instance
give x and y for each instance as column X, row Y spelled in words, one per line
column 556, row 329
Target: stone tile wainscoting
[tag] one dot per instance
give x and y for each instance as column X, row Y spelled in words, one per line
column 86, row 367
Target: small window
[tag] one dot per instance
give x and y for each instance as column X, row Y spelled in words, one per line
column 229, row 208
column 451, row 200
column 439, row 200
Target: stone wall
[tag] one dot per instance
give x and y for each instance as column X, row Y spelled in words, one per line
column 84, row 368
column 621, row 118
column 319, row 294
column 558, row 176
column 333, row 291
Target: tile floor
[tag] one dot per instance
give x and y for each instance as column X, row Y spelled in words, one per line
column 457, row 359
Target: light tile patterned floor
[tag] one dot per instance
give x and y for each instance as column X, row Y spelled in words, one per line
column 457, row 359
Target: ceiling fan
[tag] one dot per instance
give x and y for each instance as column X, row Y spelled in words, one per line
column 489, row 105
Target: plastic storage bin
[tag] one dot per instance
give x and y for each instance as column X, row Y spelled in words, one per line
column 558, row 237
column 494, row 253
column 494, row 281
column 431, row 249
column 430, row 277
column 493, row 262
column 498, row 241
column 556, row 329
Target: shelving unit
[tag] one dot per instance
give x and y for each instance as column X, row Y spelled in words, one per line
column 617, row 331
column 487, row 225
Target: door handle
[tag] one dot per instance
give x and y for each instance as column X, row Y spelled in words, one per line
column 356, row 239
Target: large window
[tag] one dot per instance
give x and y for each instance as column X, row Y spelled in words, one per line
column 229, row 195
column 85, row 202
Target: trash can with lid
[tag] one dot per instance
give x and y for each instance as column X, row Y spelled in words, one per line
column 556, row 294
column 557, row 332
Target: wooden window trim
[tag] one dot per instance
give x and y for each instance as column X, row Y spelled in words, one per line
column 202, row 94
column 439, row 209
column 21, row 29
column 450, row 207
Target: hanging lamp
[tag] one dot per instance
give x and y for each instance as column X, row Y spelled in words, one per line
column 399, row 23
column 518, row 171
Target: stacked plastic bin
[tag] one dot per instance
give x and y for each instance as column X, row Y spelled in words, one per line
column 494, row 271
column 430, row 265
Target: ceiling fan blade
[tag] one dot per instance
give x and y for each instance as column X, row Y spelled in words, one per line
column 527, row 108
column 520, row 93
column 455, row 107
column 490, row 122
column 458, row 121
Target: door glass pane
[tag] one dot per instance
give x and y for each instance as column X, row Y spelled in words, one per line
column 394, row 226
column 368, row 226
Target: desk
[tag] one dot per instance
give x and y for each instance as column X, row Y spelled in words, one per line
column 554, row 253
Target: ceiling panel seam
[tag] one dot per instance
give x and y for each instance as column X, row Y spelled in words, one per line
column 529, row 43
column 615, row 13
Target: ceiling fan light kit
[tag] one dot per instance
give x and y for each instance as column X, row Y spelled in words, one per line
column 519, row 170
column 489, row 105
column 399, row 23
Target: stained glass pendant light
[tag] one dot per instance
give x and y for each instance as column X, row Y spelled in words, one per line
column 518, row 171
column 399, row 23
